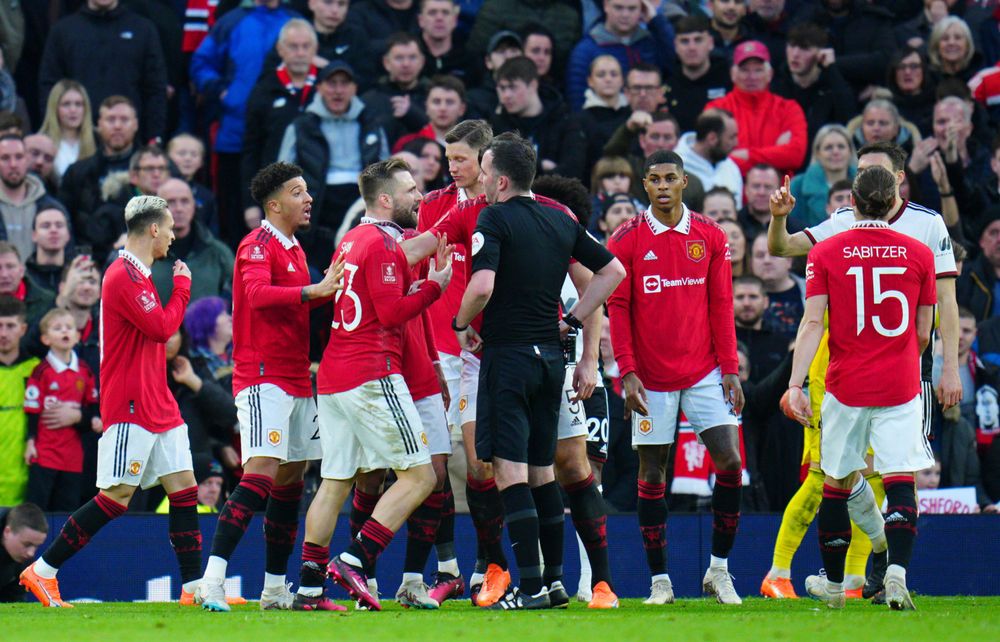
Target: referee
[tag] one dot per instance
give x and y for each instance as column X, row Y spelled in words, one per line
column 521, row 252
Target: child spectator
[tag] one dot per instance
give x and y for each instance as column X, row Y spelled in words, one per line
column 61, row 401
column 188, row 154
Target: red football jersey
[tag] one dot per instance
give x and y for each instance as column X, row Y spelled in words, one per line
column 672, row 316
column 54, row 381
column 880, row 277
column 369, row 314
column 270, row 320
column 134, row 331
column 435, row 205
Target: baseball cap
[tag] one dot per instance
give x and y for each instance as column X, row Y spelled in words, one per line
column 334, row 67
column 206, row 468
column 501, row 37
column 613, row 199
column 750, row 49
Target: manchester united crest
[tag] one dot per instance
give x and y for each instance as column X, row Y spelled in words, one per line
column 274, row 437
column 696, row 250
column 645, row 426
column 134, row 467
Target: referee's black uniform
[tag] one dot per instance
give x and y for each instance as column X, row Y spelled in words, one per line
column 529, row 246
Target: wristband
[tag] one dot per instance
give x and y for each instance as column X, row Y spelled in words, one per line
column 455, row 327
column 572, row 321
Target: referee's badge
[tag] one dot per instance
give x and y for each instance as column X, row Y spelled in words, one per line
column 477, row 243
column 696, row 250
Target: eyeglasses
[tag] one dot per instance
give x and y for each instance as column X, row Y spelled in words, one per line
column 153, row 169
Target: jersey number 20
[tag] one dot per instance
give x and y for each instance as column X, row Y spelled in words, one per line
column 878, row 296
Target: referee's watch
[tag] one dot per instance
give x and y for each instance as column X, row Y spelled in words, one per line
column 572, row 321
column 454, row 325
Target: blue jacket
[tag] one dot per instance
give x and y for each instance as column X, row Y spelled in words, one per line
column 229, row 60
column 811, row 194
column 653, row 44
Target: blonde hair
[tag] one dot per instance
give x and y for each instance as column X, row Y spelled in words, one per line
column 938, row 32
column 50, row 317
column 51, row 126
column 834, row 128
column 609, row 166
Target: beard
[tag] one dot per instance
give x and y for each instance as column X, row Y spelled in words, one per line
column 13, row 184
column 406, row 218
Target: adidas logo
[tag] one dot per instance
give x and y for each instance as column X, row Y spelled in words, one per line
column 291, row 268
column 838, row 542
column 895, row 517
column 54, row 386
column 576, row 421
column 650, row 256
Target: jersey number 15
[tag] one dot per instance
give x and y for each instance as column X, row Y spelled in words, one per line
column 878, row 296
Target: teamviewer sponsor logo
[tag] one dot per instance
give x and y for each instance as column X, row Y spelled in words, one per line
column 651, row 284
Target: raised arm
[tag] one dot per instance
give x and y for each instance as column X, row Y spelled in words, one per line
column 779, row 241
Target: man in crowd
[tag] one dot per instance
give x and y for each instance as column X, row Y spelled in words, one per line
column 24, row 528
column 750, row 303
column 50, row 235
column 702, row 78
column 41, row 160
column 22, row 195
column 15, row 282
column 443, row 48
column 772, row 129
column 16, row 365
column 397, row 100
column 706, row 151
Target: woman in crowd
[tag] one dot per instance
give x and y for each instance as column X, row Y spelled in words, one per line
column 737, row 247
column 832, row 160
column 432, row 163
column 69, row 123
column 209, row 327
column 881, row 122
column 611, row 175
column 912, row 86
column 604, row 105
column 952, row 51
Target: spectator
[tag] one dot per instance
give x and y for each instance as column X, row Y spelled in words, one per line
column 80, row 189
column 624, row 36
column 772, row 128
column 768, row 22
column 22, row 195
column 11, row 123
column 915, row 32
column 503, row 46
column 977, row 288
column 41, row 160
column 61, row 402
column 443, row 49
column 738, row 254
column 79, row 48
column 952, row 51
column 380, row 19
column 187, row 153
column 211, row 482
column 617, row 208
column 497, row 15
column 929, row 478
column 552, row 130
column 430, row 162
column 728, row 29
column 224, row 69
column 79, row 293
column 398, row 98
column 16, row 283
column 765, row 349
column 210, row 260
column 50, row 236
column 719, row 205
column 24, row 529
column 912, row 87
column 880, row 122
column 279, row 97
column 15, row 367
column 147, row 170
column 705, row 151
column 702, row 77
column 785, row 291
column 69, row 122
column 754, row 217
column 341, row 39
column 839, row 196
column 812, row 81
column 445, row 106
column 333, row 141
column 605, row 107
column 611, row 175
column 646, row 93
column 539, row 44
column 861, row 38
column 833, row 160
column 658, row 132
column 209, row 327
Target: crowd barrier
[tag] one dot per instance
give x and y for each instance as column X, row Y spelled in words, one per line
column 131, row 558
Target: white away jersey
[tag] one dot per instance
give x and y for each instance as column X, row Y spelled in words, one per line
column 916, row 221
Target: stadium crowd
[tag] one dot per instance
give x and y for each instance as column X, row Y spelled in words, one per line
column 104, row 100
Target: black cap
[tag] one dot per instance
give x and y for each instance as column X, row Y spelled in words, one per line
column 207, row 468
column 501, row 37
column 611, row 200
column 334, row 67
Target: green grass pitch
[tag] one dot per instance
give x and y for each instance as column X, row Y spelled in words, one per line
column 937, row 619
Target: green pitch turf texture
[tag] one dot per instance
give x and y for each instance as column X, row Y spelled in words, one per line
column 973, row 619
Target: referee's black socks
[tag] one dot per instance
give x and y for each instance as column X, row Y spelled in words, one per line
column 590, row 517
column 522, row 527
column 551, row 524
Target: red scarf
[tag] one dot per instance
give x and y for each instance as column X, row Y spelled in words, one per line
column 21, row 291
column 286, row 79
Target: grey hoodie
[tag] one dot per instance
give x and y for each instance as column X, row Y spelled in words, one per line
column 18, row 220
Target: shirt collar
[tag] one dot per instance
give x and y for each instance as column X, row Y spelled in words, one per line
column 462, row 195
column 683, row 226
column 869, row 224
column 59, row 366
column 287, row 243
column 394, row 230
column 134, row 260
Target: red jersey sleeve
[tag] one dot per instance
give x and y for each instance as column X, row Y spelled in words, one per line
column 157, row 323
column 720, row 305
column 816, row 276
column 620, row 304
column 254, row 262
column 460, row 222
column 425, row 319
column 384, row 270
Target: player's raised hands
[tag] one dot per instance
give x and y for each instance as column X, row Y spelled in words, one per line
column 333, row 280
column 782, row 202
column 440, row 264
column 181, row 269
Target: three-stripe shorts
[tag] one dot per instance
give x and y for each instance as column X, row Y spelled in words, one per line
column 373, row 426
column 275, row 424
column 131, row 455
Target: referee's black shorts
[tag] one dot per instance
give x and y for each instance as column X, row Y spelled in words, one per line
column 517, row 413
